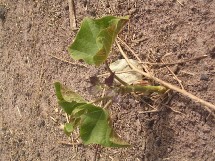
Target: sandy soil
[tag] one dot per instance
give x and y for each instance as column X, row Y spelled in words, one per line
column 33, row 31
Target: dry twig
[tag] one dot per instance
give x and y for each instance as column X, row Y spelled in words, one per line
column 38, row 92
column 72, row 15
column 66, row 61
column 209, row 106
column 68, row 144
column 179, row 62
column 144, row 67
column 180, row 3
column 119, row 72
column 174, row 76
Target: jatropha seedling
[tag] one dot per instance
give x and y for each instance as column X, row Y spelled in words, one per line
column 93, row 44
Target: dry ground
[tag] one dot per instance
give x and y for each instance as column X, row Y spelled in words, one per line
column 30, row 116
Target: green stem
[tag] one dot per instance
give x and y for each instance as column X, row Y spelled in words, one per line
column 142, row 89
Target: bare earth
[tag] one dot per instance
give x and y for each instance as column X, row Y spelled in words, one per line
column 33, row 31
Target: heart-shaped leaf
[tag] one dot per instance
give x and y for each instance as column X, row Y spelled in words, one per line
column 68, row 99
column 93, row 121
column 95, row 38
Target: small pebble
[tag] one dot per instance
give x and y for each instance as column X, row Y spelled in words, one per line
column 204, row 77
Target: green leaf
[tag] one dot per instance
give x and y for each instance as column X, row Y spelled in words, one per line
column 65, row 94
column 95, row 38
column 68, row 107
column 93, row 121
column 67, row 99
column 96, row 128
column 68, row 129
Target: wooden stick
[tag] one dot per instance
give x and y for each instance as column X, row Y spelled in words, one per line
column 180, row 3
column 72, row 15
column 174, row 76
column 132, row 51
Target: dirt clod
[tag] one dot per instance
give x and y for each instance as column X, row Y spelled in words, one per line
column 204, row 77
column 212, row 53
column 3, row 12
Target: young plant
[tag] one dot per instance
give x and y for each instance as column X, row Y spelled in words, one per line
column 93, row 121
column 93, row 44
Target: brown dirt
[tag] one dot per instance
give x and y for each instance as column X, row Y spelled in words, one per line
column 30, row 116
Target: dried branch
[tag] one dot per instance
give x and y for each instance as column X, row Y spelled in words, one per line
column 209, row 106
column 72, row 15
column 179, row 62
column 66, row 61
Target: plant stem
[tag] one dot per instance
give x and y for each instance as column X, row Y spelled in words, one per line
column 142, row 89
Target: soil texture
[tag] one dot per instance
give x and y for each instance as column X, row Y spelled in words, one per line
column 33, row 33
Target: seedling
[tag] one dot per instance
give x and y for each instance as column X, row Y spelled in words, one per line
column 93, row 44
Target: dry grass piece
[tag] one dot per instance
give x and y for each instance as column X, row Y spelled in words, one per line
column 66, row 61
column 179, row 62
column 72, row 15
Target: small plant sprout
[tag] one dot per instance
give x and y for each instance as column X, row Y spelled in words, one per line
column 93, row 45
